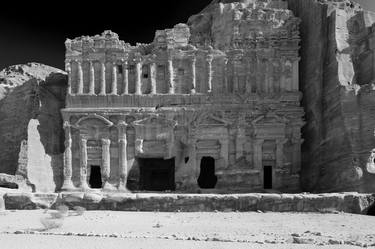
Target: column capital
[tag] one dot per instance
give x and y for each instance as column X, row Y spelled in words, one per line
column 106, row 141
column 138, row 60
column 66, row 125
column 281, row 141
column 122, row 123
column 209, row 58
column 82, row 139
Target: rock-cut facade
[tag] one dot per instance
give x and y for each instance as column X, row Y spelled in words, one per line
column 211, row 105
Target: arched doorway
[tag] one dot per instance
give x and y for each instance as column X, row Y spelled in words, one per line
column 207, row 178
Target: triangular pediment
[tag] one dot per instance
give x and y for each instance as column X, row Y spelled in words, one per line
column 270, row 118
column 210, row 119
column 155, row 121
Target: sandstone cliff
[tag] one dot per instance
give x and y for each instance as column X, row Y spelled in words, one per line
column 30, row 91
column 336, row 72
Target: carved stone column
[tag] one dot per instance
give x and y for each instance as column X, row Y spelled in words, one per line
column 153, row 77
column 240, row 140
column 68, row 68
column 280, row 152
column 259, row 75
column 248, row 76
column 68, row 170
column 193, row 75
column 225, row 76
column 266, row 77
column 224, row 150
column 235, row 76
column 296, row 75
column 138, row 76
column 283, row 78
column 258, row 154
column 92, row 78
column 80, row 77
column 171, row 75
column 83, row 163
column 102, row 78
column 106, row 163
column 125, row 80
column 123, row 158
column 114, row 78
column 209, row 72
column 296, row 155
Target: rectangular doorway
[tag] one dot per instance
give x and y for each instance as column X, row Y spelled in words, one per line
column 267, row 177
column 156, row 174
column 95, row 180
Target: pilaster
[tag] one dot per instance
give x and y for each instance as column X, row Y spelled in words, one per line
column 114, row 78
column 83, row 163
column 171, row 75
column 125, row 80
column 106, row 163
column 209, row 59
column 138, row 76
column 102, row 78
column 193, row 75
column 123, row 160
column 92, row 78
column 80, row 77
column 68, row 170
column 153, row 77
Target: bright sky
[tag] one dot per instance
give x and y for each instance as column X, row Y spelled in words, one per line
column 367, row 4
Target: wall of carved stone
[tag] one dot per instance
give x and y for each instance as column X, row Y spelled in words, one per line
column 339, row 133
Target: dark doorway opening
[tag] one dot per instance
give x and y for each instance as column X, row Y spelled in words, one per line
column 267, row 177
column 207, row 177
column 156, row 174
column 95, row 180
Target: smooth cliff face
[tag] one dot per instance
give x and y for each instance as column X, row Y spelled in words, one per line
column 336, row 72
column 32, row 94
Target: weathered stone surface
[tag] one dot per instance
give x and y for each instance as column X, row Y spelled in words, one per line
column 344, row 202
column 32, row 91
column 336, row 72
column 211, row 104
column 14, row 182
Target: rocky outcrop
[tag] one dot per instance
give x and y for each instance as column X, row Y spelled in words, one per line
column 31, row 91
column 335, row 70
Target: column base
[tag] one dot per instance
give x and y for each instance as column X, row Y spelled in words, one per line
column 122, row 187
column 68, row 186
column 84, row 186
column 192, row 91
column 109, row 187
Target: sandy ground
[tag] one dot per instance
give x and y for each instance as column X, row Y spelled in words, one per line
column 105, row 229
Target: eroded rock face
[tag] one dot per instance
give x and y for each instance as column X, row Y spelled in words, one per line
column 336, row 72
column 31, row 91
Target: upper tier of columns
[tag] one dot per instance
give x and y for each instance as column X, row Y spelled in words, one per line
column 279, row 78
